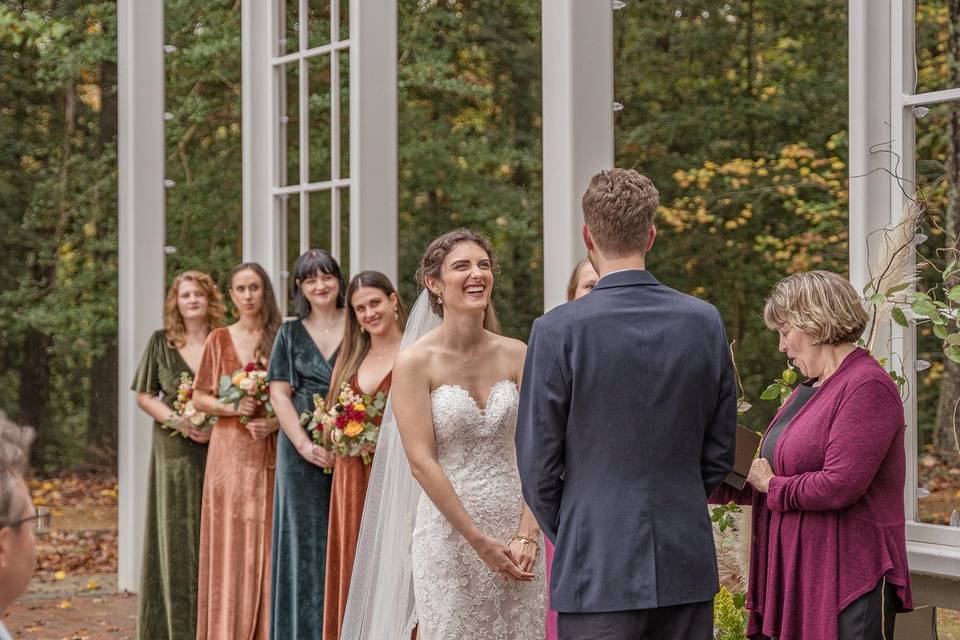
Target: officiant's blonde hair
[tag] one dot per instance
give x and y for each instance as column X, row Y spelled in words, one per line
column 618, row 208
column 821, row 304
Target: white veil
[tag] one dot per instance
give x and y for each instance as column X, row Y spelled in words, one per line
column 380, row 605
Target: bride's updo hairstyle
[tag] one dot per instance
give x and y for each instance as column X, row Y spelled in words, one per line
column 431, row 265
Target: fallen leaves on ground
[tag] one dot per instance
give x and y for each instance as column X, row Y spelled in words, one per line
column 83, row 535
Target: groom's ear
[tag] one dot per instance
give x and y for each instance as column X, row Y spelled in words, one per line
column 587, row 238
column 651, row 236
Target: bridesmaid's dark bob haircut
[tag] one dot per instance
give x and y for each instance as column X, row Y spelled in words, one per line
column 309, row 265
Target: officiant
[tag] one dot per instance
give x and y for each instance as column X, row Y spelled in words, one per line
column 827, row 487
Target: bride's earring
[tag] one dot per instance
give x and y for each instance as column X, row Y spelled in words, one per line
column 396, row 315
column 439, row 299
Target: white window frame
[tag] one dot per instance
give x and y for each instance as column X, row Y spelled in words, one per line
column 372, row 181
column 882, row 132
column 301, row 189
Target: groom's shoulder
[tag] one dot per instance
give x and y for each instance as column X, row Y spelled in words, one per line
column 691, row 304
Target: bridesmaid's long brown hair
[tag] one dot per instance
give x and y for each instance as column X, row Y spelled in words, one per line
column 270, row 318
column 356, row 343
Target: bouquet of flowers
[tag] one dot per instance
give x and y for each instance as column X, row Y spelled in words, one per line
column 183, row 408
column 250, row 381
column 348, row 428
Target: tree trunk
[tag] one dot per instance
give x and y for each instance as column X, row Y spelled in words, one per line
column 102, row 431
column 34, row 405
column 945, row 437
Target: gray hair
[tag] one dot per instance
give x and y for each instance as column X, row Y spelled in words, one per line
column 15, row 444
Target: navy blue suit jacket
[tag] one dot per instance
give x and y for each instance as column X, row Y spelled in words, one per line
column 626, row 424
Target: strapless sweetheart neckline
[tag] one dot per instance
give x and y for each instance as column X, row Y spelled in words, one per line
column 490, row 392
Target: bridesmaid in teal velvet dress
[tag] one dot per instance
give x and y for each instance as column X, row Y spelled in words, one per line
column 168, row 578
column 301, row 365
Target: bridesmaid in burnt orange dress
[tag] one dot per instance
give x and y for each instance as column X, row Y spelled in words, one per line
column 235, row 522
column 371, row 342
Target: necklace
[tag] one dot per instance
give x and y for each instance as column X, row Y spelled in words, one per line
column 324, row 330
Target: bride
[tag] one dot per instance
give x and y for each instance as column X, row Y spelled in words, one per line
column 462, row 556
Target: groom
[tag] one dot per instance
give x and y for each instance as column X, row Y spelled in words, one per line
column 626, row 425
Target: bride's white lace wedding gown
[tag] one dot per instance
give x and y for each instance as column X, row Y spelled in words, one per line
column 457, row 596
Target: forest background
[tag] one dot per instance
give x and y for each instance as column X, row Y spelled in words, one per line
column 737, row 110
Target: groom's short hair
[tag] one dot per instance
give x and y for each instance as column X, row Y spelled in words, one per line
column 618, row 208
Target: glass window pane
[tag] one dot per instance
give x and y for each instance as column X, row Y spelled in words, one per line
column 938, row 388
column 319, row 118
column 344, row 19
column 934, row 46
column 318, row 31
column 290, row 219
column 320, row 220
column 344, row 113
column 291, row 14
column 290, row 123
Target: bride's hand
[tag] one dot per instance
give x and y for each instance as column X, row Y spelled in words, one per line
column 499, row 559
column 524, row 553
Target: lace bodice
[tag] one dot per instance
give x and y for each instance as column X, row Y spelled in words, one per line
column 457, row 595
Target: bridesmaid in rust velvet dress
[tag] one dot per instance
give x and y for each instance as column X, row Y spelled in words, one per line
column 370, row 345
column 234, row 582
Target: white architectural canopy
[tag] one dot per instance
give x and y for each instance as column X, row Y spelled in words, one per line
column 578, row 141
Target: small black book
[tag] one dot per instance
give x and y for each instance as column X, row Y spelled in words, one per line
column 748, row 442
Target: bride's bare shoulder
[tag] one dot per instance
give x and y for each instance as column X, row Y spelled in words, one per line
column 510, row 348
column 414, row 360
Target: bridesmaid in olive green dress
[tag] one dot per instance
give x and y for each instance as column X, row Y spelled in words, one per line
column 301, row 364
column 168, row 583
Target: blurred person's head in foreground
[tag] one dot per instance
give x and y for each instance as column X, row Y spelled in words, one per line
column 19, row 520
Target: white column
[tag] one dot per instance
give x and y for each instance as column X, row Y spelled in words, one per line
column 870, row 113
column 373, row 136
column 263, row 241
column 577, row 126
column 881, row 143
column 141, row 241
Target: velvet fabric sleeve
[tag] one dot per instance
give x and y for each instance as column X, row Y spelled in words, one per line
column 541, row 430
column 859, row 438
column 147, row 378
column 282, row 367
column 208, row 373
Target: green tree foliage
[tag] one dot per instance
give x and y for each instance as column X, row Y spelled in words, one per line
column 737, row 111
column 58, row 217
column 469, row 140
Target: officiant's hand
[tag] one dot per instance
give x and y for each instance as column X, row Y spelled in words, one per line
column 760, row 474
column 499, row 559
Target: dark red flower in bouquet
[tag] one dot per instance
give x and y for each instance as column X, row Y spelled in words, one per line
column 251, row 367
